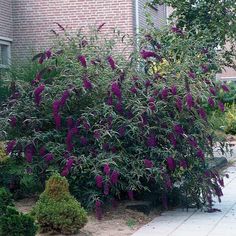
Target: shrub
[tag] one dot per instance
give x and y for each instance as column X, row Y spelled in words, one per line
column 112, row 127
column 13, row 223
column 5, row 200
column 57, row 210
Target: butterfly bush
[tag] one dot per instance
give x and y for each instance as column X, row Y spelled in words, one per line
column 112, row 127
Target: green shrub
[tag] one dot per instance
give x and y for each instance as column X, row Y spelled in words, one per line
column 112, row 127
column 230, row 119
column 19, row 178
column 5, row 200
column 58, row 211
column 13, row 223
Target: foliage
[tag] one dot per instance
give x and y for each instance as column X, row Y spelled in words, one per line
column 229, row 97
column 57, row 210
column 19, row 179
column 231, row 120
column 114, row 128
column 212, row 19
column 5, row 200
column 13, row 223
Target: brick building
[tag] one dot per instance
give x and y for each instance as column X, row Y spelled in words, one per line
column 25, row 24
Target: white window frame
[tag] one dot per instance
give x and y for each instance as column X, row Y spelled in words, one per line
column 6, row 42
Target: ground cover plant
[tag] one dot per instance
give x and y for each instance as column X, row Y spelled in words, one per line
column 120, row 126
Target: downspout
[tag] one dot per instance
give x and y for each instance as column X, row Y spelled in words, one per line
column 137, row 21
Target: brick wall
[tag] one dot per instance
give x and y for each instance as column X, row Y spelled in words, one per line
column 33, row 19
column 6, row 18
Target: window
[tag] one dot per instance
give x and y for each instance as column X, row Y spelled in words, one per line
column 5, row 52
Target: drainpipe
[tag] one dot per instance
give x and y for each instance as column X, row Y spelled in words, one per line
column 137, row 20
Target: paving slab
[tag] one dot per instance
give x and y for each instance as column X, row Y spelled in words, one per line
column 196, row 222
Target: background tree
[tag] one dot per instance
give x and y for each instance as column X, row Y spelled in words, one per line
column 212, row 19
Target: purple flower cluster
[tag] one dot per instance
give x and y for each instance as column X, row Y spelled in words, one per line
column 106, row 169
column 87, row 84
column 179, row 104
column 171, row 163
column 152, row 141
column 10, row 146
column 115, row 88
column 190, row 101
column 12, row 121
column 147, row 54
column 82, row 60
column 148, row 163
column 67, row 167
column 99, row 181
column 37, row 94
column 111, row 62
column 29, row 152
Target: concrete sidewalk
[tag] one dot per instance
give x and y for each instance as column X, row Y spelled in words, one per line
column 196, row 222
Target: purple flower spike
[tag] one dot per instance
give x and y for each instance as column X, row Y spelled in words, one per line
column 205, row 68
column 57, row 120
column 178, row 129
column 111, row 62
column 170, row 163
column 121, row 131
column 164, row 93
column 106, row 189
column 99, row 181
column 12, row 121
column 202, row 113
column 191, row 74
column 147, row 54
column 29, row 152
column 213, row 91
column 55, row 107
column 82, row 60
column 183, row 164
column 225, row 87
column 65, row 172
column 211, row 102
column 97, row 134
column 190, row 101
column 133, row 90
column 192, row 142
column 151, row 102
column 179, row 104
column 151, row 141
column 200, row 154
column 37, row 94
column 42, row 151
column 64, row 98
column 49, row 157
column 221, row 106
column 87, row 84
column 148, row 163
column 10, row 146
column 177, row 30
column 83, row 141
column 106, row 169
column 109, row 101
column 148, row 83
column 115, row 88
column 172, row 139
column 48, row 53
column 70, row 122
column 114, row 177
column 174, row 90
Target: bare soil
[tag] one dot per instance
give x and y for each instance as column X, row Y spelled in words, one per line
column 115, row 222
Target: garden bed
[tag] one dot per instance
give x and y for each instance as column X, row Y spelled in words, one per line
column 115, row 222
